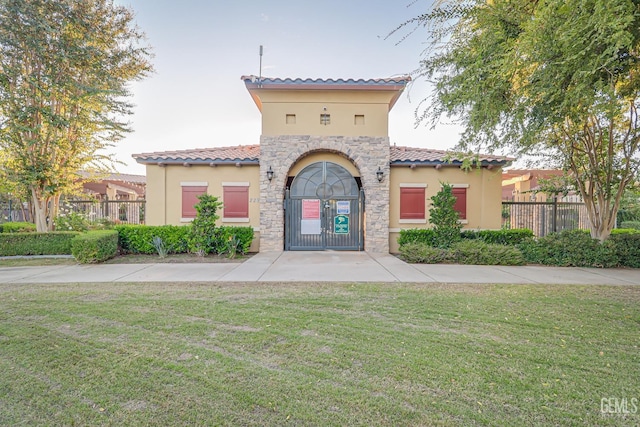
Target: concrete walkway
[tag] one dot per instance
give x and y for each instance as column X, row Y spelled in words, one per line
column 326, row 266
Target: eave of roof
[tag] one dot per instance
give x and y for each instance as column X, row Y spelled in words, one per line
column 414, row 156
column 394, row 84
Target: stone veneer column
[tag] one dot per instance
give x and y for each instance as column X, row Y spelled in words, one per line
column 282, row 152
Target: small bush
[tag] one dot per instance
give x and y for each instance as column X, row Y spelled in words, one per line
column 423, row 253
column 630, row 224
column 477, row 252
column 444, row 218
column 500, row 237
column 138, row 239
column 72, row 221
column 574, row 248
column 54, row 243
column 17, row 227
column 95, row 246
column 627, row 247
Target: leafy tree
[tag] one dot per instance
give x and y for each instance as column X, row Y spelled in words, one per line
column 559, row 78
column 444, row 218
column 64, row 70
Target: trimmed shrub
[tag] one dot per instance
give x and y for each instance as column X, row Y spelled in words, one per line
column 423, row 253
column 500, row 237
column 230, row 239
column 138, row 239
column 444, row 218
column 17, row 227
column 630, row 224
column 477, row 252
column 574, row 248
column 627, row 247
column 95, row 246
column 417, row 235
column 624, row 231
column 53, row 243
column 202, row 236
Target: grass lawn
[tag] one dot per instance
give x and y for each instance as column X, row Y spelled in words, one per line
column 323, row 354
column 124, row 259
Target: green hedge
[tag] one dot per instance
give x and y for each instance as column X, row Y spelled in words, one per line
column 627, row 248
column 95, row 246
column 630, row 224
column 473, row 252
column 503, row 237
column 499, row 237
column 574, row 248
column 53, row 243
column 17, row 227
column 138, row 239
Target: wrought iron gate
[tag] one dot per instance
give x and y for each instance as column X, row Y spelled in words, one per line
column 323, row 210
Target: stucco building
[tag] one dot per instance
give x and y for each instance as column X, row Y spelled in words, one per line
column 324, row 174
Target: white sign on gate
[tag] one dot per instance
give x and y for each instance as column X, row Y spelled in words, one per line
column 343, row 207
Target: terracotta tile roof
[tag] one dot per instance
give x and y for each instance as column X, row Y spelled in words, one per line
column 426, row 156
column 399, row 155
column 235, row 154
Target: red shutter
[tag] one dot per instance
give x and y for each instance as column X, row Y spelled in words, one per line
column 412, row 203
column 236, row 202
column 190, row 199
column 461, row 201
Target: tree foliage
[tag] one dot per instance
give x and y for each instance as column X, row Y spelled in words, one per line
column 65, row 66
column 557, row 77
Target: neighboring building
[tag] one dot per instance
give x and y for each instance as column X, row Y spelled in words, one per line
column 324, row 175
column 114, row 186
column 522, row 185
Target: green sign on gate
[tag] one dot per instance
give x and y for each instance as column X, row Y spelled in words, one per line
column 341, row 224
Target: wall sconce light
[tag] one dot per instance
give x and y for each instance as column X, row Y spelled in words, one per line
column 270, row 174
column 379, row 174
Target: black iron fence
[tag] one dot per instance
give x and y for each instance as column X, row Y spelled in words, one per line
column 115, row 211
column 14, row 211
column 545, row 217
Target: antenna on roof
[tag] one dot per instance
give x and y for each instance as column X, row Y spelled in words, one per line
column 260, row 75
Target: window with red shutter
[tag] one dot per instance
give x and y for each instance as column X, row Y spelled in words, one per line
column 190, row 199
column 412, row 205
column 461, row 201
column 236, row 202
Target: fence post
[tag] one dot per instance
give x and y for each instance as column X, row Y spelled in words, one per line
column 554, row 219
column 10, row 210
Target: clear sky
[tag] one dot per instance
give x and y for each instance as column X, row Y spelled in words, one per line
column 196, row 99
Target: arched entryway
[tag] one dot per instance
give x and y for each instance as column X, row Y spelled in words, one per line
column 324, row 206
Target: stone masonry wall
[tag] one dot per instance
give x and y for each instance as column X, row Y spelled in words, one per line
column 282, row 152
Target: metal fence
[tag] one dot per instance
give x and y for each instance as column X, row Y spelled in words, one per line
column 545, row 217
column 116, row 211
column 14, row 211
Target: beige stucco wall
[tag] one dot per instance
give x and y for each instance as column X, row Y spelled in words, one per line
column 342, row 106
column 484, row 194
column 164, row 192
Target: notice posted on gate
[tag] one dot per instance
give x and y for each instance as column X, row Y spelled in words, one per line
column 343, row 207
column 341, row 224
column 310, row 222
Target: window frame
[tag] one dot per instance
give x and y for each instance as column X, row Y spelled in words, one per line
column 238, row 191
column 191, row 189
column 417, row 191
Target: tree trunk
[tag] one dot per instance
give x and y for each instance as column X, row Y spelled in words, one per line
column 41, row 210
